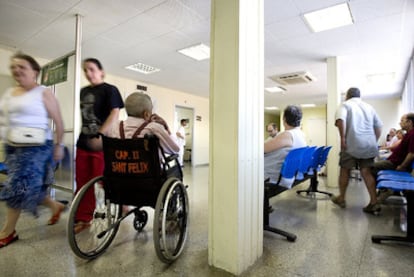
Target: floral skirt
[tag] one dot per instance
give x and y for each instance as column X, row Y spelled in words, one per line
column 28, row 176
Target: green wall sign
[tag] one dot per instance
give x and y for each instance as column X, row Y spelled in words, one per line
column 55, row 72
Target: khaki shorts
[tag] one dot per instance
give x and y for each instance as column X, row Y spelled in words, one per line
column 350, row 162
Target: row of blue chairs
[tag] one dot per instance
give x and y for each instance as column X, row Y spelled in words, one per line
column 398, row 181
column 300, row 164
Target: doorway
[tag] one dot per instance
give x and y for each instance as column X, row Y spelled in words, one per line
column 315, row 131
column 187, row 114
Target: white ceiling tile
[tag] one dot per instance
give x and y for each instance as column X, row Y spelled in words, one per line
column 306, row 6
column 363, row 10
column 288, row 28
column 279, row 10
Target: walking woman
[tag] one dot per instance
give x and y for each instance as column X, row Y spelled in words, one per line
column 29, row 105
column 100, row 104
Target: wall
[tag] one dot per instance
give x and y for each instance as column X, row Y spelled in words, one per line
column 314, row 125
column 165, row 101
column 390, row 112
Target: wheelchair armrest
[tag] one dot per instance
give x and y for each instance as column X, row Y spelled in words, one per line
column 171, row 158
column 149, row 136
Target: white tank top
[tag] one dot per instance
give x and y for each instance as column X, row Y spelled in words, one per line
column 28, row 109
column 273, row 160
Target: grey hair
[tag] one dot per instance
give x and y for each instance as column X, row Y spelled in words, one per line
column 353, row 92
column 137, row 103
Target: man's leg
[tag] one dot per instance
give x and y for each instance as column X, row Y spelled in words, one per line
column 343, row 183
column 370, row 183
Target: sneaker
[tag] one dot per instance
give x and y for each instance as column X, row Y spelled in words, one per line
column 336, row 201
column 384, row 194
column 372, row 208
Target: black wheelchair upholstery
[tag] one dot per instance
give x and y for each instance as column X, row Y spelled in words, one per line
column 135, row 170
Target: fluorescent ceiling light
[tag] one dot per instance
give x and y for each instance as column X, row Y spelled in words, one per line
column 275, row 89
column 329, row 18
column 197, row 52
column 142, row 68
column 307, row 105
column 273, row 108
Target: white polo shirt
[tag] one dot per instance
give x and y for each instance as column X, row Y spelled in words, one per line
column 360, row 121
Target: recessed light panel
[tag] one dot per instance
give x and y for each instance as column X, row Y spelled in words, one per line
column 329, row 18
column 275, row 89
column 197, row 52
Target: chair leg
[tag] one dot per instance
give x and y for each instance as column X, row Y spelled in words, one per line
column 266, row 214
column 409, row 238
column 289, row 236
column 313, row 187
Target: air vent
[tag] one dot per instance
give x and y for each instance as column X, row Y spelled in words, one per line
column 294, row 78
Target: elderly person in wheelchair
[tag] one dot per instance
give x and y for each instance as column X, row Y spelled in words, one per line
column 142, row 121
column 141, row 169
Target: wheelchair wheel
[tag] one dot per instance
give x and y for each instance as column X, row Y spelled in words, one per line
column 171, row 220
column 140, row 220
column 90, row 240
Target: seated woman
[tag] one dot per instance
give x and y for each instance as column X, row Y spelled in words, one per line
column 142, row 121
column 399, row 134
column 276, row 149
column 385, row 151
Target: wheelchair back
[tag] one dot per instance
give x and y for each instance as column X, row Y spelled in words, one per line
column 135, row 170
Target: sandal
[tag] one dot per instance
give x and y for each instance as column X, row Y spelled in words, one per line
column 336, row 201
column 55, row 218
column 372, row 209
column 9, row 239
column 81, row 226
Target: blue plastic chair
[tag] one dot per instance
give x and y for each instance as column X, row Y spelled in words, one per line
column 305, row 163
column 3, row 168
column 320, row 155
column 315, row 160
column 392, row 174
column 408, row 189
column 290, row 167
column 323, row 157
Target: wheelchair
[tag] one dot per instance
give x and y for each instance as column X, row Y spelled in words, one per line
column 137, row 173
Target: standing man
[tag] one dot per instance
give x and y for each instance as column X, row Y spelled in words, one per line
column 359, row 128
column 181, row 140
column 271, row 130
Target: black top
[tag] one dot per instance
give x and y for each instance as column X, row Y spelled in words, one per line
column 96, row 104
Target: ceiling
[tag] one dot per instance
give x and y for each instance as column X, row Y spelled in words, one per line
column 123, row 32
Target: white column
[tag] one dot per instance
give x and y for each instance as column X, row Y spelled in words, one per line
column 334, row 98
column 236, row 135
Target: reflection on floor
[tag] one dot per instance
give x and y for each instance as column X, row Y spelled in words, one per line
column 331, row 242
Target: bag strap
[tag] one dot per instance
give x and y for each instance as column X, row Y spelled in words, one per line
column 139, row 130
column 121, row 130
column 136, row 133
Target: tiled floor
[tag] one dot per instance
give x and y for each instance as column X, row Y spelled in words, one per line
column 331, row 242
